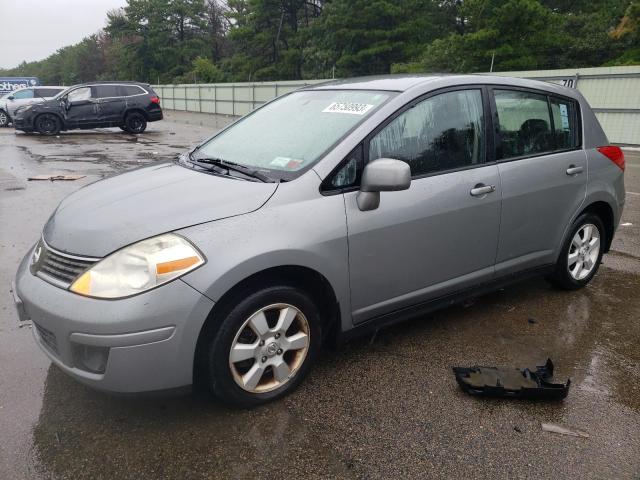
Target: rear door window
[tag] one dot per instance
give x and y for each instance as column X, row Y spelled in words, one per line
column 524, row 124
column 564, row 123
column 443, row 132
column 105, row 91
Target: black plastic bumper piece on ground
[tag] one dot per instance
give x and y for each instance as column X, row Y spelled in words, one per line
column 512, row 382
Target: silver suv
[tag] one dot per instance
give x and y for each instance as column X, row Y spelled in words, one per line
column 329, row 211
column 12, row 101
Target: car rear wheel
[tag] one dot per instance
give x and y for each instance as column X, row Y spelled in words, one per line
column 135, row 123
column 264, row 346
column 4, row 119
column 48, row 124
column 581, row 254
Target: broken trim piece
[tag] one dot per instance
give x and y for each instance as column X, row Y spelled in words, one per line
column 512, row 382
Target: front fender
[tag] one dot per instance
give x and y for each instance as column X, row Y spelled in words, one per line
column 307, row 233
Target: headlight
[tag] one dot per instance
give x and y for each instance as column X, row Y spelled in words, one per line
column 139, row 267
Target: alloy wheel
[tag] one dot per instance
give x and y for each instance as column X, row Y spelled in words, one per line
column 269, row 348
column 584, row 251
column 4, row 119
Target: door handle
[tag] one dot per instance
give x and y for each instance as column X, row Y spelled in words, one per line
column 481, row 189
column 573, row 170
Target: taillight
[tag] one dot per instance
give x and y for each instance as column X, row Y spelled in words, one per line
column 155, row 99
column 613, row 153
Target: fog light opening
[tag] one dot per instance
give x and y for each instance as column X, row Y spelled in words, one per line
column 89, row 358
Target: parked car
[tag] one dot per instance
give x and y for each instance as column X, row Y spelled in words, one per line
column 330, row 211
column 126, row 105
column 11, row 101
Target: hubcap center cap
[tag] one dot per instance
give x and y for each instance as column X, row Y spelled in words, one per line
column 272, row 348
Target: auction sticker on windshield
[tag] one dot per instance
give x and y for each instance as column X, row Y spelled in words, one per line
column 348, row 107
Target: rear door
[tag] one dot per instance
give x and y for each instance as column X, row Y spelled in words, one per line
column 543, row 172
column 440, row 235
column 111, row 104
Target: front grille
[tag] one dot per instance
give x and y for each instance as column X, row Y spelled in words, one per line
column 57, row 267
column 47, row 337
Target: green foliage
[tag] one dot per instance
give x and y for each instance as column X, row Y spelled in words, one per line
column 169, row 41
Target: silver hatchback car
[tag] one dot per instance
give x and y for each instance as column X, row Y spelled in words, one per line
column 329, row 211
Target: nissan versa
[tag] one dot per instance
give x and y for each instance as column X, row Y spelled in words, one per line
column 331, row 210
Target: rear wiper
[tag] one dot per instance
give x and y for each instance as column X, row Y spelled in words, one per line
column 219, row 162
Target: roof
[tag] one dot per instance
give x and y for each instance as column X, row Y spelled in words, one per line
column 123, row 82
column 402, row 83
column 397, row 83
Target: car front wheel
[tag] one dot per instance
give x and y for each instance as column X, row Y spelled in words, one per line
column 264, row 346
column 48, row 124
column 581, row 254
column 4, row 119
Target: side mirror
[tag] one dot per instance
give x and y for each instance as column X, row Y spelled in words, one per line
column 382, row 175
column 11, row 97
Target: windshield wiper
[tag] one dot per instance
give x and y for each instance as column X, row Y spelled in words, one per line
column 219, row 162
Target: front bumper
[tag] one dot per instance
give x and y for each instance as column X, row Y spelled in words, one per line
column 149, row 339
column 23, row 123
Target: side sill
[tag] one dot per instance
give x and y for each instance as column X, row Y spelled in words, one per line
column 439, row 303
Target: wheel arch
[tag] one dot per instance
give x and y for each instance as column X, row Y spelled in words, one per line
column 129, row 111
column 311, row 281
column 604, row 211
column 55, row 114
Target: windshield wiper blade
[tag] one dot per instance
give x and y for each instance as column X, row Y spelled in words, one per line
column 219, row 162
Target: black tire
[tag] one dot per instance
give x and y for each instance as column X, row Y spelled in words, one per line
column 215, row 346
column 4, row 119
column 124, row 128
column 562, row 276
column 48, row 124
column 135, row 123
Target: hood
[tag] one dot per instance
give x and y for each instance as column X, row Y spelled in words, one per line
column 110, row 214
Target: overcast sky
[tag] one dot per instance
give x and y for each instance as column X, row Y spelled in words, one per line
column 34, row 29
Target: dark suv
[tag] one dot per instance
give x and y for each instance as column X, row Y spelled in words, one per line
column 127, row 105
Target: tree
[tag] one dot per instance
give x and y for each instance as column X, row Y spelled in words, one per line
column 627, row 36
column 362, row 37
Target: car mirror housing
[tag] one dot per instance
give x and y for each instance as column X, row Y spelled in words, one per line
column 382, row 175
column 10, row 97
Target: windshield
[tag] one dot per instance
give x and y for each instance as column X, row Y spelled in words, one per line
column 291, row 133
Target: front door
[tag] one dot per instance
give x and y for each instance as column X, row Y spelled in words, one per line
column 543, row 172
column 81, row 109
column 441, row 235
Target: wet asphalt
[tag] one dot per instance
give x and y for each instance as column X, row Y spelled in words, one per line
column 383, row 407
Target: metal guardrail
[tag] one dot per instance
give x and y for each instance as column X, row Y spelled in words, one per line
column 225, row 98
column 613, row 93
